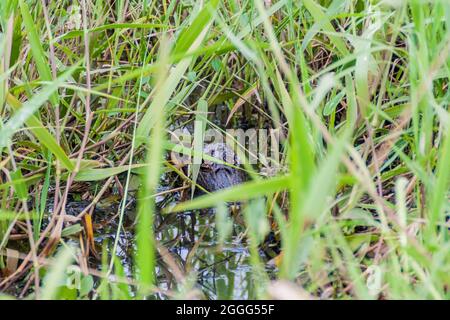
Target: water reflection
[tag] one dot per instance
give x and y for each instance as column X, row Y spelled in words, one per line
column 221, row 271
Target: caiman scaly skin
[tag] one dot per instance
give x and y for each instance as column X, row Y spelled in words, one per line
column 215, row 176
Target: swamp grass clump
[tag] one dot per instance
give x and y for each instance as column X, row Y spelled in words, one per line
column 354, row 206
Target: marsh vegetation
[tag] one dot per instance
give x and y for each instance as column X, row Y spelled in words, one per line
column 101, row 195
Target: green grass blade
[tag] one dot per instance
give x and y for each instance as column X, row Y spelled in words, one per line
column 36, row 47
column 244, row 191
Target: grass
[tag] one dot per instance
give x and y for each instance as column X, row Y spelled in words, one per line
column 91, row 92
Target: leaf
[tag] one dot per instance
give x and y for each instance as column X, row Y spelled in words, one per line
column 86, row 286
column 322, row 187
column 121, row 291
column 224, row 223
column 243, row 99
column 199, row 136
column 57, row 273
column 90, row 174
column 256, row 220
column 16, row 41
column 32, row 178
column 438, row 198
column 331, row 105
column 36, row 48
column 243, row 191
column 19, row 185
column 71, row 230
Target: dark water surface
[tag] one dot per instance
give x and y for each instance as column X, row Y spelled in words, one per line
column 218, row 271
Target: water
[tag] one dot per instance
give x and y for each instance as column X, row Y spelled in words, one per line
column 219, row 271
column 223, row 272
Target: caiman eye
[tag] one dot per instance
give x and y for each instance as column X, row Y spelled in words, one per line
column 206, row 167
